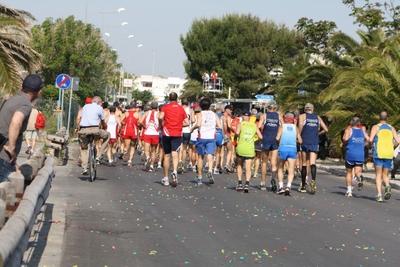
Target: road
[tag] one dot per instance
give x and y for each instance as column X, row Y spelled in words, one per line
column 127, row 218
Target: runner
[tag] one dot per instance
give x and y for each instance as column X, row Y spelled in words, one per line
column 130, row 120
column 226, row 122
column 382, row 135
column 354, row 139
column 309, row 127
column 246, row 132
column 287, row 136
column 173, row 118
column 219, row 140
column 113, row 124
column 150, row 129
column 193, row 137
column 207, row 122
column 271, row 122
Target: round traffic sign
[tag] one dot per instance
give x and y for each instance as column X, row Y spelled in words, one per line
column 63, row 81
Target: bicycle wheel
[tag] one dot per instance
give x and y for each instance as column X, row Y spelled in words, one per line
column 94, row 154
column 92, row 162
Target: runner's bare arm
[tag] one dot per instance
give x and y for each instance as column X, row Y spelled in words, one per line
column 299, row 139
column 259, row 134
column 324, row 128
column 238, row 129
column 279, row 134
column 374, row 131
column 302, row 118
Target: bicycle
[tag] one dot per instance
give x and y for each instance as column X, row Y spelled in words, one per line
column 92, row 158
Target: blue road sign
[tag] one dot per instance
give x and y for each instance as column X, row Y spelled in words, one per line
column 265, row 97
column 63, row 81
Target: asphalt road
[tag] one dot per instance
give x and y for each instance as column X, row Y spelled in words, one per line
column 127, row 218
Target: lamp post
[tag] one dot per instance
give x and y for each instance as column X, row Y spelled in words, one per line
column 119, row 10
column 129, row 62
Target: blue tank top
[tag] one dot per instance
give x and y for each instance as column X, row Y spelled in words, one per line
column 219, row 131
column 310, row 130
column 271, row 126
column 355, row 145
column 289, row 136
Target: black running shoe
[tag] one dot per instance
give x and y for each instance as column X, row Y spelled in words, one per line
column 246, row 188
column 274, row 188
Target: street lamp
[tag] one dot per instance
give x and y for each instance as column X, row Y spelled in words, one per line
column 122, row 25
column 119, row 10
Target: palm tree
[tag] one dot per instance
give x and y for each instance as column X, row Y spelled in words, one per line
column 15, row 55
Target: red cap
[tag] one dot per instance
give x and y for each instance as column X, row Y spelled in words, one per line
column 88, row 100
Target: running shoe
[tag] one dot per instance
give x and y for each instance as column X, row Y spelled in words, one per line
column 246, row 188
column 388, row 193
column 165, row 181
column 239, row 187
column 287, row 191
column 84, row 171
column 159, row 166
column 255, row 175
column 110, row 164
column 220, row 170
column 263, row 187
column 151, row 169
column 194, row 169
column 199, row 181
column 210, row 178
column 28, row 150
column 379, row 199
column 216, row 171
column 302, row 189
column 281, row 191
column 360, row 183
column 115, row 158
column 129, row 163
column 348, row 194
column 174, row 178
column 274, row 188
column 313, row 187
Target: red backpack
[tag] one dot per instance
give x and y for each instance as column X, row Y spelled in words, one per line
column 40, row 121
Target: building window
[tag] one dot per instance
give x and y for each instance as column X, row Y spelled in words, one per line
column 147, row 84
column 173, row 86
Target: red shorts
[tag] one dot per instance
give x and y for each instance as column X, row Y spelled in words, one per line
column 112, row 140
column 131, row 137
column 151, row 139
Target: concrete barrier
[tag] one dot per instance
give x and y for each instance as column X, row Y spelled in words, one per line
column 14, row 236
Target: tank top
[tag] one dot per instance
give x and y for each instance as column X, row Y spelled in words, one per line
column 355, row 145
column 151, row 126
column 289, row 136
column 270, row 130
column 187, row 128
column 207, row 127
column 112, row 126
column 131, row 124
column 235, row 121
column 310, row 130
column 245, row 146
column 383, row 142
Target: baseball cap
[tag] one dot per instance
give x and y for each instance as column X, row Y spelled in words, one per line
column 32, row 83
column 196, row 107
column 154, row 104
column 88, row 100
column 246, row 112
column 116, row 104
column 309, row 106
column 229, row 107
column 272, row 104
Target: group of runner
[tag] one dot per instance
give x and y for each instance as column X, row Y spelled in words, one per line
column 232, row 140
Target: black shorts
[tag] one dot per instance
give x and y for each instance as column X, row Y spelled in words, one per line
column 244, row 158
column 186, row 138
column 171, row 143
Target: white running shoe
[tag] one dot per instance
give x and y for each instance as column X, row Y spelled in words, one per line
column 165, row 181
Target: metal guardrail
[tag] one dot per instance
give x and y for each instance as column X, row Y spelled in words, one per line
column 14, row 236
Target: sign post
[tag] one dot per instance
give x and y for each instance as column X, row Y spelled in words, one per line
column 63, row 81
column 74, row 87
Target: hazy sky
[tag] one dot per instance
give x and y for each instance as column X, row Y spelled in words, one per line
column 158, row 24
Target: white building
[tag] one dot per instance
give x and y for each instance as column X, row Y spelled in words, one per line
column 160, row 87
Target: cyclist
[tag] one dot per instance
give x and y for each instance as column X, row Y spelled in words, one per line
column 91, row 117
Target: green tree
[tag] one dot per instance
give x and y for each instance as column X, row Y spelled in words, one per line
column 192, row 90
column 75, row 48
column 376, row 15
column 146, row 95
column 241, row 48
column 15, row 55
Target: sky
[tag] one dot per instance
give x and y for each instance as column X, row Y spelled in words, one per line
column 158, row 24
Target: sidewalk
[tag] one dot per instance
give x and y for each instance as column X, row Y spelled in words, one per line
column 335, row 166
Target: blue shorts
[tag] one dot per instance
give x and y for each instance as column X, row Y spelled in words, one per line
column 193, row 142
column 269, row 147
column 287, row 153
column 205, row 146
column 385, row 163
column 310, row 148
column 219, row 139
